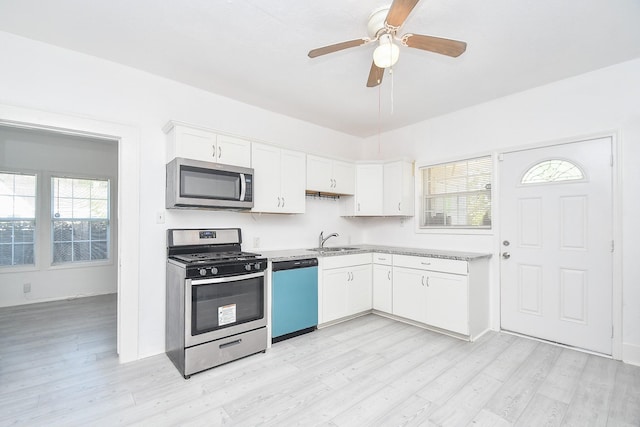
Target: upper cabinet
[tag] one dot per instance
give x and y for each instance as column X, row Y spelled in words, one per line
column 192, row 142
column 382, row 189
column 398, row 193
column 279, row 177
column 368, row 198
column 330, row 176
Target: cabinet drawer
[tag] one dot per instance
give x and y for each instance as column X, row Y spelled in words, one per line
column 384, row 259
column 339, row 261
column 432, row 264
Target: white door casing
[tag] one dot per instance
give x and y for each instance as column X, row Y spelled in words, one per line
column 556, row 244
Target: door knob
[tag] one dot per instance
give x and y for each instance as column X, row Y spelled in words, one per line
column 506, row 255
column 506, row 243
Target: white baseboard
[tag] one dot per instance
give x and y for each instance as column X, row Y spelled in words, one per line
column 631, row 354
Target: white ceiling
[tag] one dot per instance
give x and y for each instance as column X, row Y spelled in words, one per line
column 255, row 51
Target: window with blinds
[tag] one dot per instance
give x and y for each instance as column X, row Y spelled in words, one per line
column 457, row 194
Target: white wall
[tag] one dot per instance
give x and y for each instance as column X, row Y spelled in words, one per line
column 45, row 154
column 43, row 77
column 604, row 101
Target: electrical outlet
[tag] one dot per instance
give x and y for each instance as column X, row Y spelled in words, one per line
column 256, row 242
column 26, row 288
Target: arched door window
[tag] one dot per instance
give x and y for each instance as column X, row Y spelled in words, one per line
column 554, row 170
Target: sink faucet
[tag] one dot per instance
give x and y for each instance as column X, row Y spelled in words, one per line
column 322, row 239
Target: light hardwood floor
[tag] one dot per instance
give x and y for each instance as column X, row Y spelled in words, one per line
column 58, row 367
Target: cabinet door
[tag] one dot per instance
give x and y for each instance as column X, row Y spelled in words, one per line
column 398, row 189
column 334, row 294
column 233, row 151
column 369, row 187
column 292, row 184
column 447, row 302
column 344, row 177
column 382, row 288
column 266, row 182
column 195, row 144
column 359, row 289
column 410, row 294
column 319, row 174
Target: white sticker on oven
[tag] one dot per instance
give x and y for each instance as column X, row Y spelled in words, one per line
column 226, row 314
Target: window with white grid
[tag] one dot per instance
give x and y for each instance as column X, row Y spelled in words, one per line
column 79, row 219
column 17, row 219
column 457, row 194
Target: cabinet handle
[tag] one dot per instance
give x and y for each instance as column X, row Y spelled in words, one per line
column 389, row 274
column 358, row 207
column 399, row 206
column 283, row 202
column 213, row 147
column 427, row 281
column 335, row 183
column 278, row 201
column 219, row 152
column 425, row 263
column 422, row 280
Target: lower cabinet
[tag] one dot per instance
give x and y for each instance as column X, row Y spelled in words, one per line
column 447, row 294
column 346, row 290
column 410, row 294
column 437, row 299
column 382, row 288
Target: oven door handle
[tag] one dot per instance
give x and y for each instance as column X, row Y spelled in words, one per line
column 226, row 279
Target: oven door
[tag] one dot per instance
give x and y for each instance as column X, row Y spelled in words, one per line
column 220, row 307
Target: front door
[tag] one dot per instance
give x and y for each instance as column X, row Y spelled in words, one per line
column 556, row 243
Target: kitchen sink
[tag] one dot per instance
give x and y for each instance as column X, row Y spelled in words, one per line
column 335, row 249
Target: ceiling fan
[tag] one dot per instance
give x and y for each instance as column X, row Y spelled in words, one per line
column 383, row 26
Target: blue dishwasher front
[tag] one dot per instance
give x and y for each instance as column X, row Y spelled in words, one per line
column 294, row 298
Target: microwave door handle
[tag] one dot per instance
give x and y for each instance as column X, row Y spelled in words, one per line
column 243, row 187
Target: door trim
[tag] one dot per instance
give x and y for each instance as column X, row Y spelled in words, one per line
column 616, row 196
column 128, row 215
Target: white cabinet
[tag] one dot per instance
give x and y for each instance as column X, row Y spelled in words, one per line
column 382, row 189
column 398, row 187
column 382, row 282
column 345, row 286
column 448, row 294
column 279, row 177
column 330, row 176
column 447, row 300
column 410, row 294
column 368, row 198
column 202, row 144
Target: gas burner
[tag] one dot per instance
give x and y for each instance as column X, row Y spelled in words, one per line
column 200, row 257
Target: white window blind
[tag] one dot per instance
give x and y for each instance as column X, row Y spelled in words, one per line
column 457, row 194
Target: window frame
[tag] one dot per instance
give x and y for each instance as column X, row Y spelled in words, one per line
column 51, row 220
column 460, row 230
column 36, row 219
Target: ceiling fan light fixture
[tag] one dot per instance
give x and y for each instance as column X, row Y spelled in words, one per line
column 387, row 54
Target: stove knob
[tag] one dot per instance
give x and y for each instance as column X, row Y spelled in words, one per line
column 203, row 271
column 256, row 266
column 214, row 270
column 247, row 267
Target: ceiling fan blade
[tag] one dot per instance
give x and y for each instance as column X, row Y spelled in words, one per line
column 399, row 11
column 447, row 47
column 375, row 75
column 336, row 47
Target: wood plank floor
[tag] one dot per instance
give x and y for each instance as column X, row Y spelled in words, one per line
column 58, row 367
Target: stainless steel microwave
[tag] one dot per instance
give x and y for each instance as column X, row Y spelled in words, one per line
column 198, row 184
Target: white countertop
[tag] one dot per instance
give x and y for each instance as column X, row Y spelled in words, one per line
column 289, row 254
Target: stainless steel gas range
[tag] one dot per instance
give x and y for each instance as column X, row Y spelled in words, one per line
column 216, row 308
